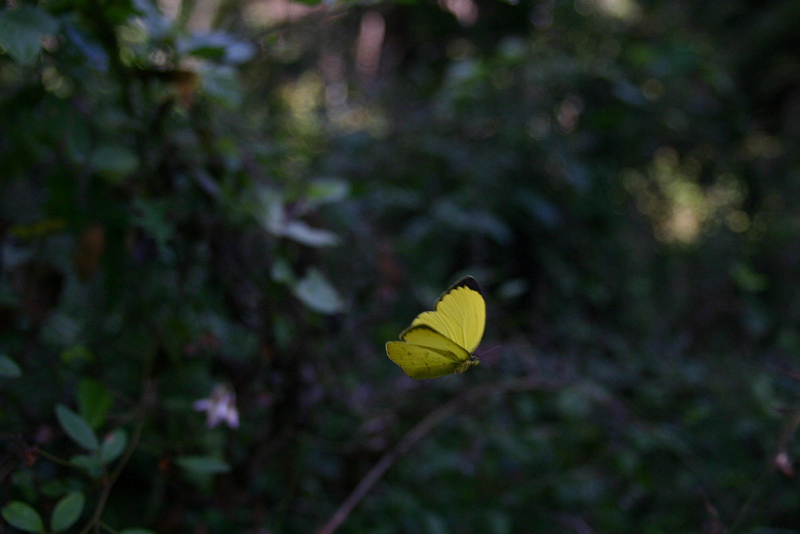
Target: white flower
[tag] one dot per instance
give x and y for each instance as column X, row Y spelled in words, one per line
column 220, row 406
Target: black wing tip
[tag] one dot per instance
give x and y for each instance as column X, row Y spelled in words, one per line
column 468, row 282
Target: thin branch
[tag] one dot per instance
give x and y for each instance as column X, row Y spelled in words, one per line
column 107, row 527
column 420, row 431
column 577, row 523
column 145, row 401
column 789, row 430
column 54, row 459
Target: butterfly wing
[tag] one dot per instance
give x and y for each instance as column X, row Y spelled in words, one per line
column 459, row 314
column 420, row 362
column 425, row 336
column 425, row 353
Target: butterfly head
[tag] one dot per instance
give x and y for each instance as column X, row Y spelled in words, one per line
column 473, row 360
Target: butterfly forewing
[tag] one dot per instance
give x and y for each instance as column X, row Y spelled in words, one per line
column 460, row 314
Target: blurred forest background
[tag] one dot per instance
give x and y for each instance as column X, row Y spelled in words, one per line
column 214, row 213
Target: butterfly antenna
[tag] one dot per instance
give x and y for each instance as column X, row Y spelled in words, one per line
column 487, row 351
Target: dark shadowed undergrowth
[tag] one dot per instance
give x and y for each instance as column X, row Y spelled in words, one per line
column 212, row 218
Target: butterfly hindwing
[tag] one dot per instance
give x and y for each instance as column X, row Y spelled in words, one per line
column 425, row 336
column 420, row 362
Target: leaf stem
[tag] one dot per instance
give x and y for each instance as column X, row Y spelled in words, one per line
column 55, row 459
column 108, row 483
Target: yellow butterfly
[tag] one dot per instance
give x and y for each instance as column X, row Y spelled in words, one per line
column 441, row 342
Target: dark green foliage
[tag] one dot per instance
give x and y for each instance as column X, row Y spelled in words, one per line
column 210, row 226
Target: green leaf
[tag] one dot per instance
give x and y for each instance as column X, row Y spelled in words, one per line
column 218, row 46
column 318, row 294
column 23, row 517
column 9, row 368
column 67, row 511
column 154, row 218
column 21, row 32
column 203, row 464
column 53, row 488
column 76, row 428
column 222, row 84
column 113, row 445
column 277, row 222
column 94, row 402
column 136, row 531
column 327, row 191
column 281, row 271
column 114, row 161
column 89, row 462
column 307, row 235
column 747, row 278
column 77, row 355
column 473, row 221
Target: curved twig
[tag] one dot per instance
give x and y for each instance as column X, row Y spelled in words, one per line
column 418, row 432
column 134, row 442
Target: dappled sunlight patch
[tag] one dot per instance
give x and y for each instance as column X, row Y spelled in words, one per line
column 314, row 105
column 670, row 194
column 303, row 97
column 625, row 10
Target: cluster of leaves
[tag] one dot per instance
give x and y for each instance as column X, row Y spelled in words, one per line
column 148, row 253
column 68, row 509
column 188, row 213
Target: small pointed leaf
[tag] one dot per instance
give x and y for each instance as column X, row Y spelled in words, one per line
column 306, row 235
column 327, row 191
column 67, row 511
column 203, row 464
column 113, row 445
column 90, row 462
column 94, row 402
column 317, row 293
column 22, row 29
column 76, row 428
column 114, row 161
column 9, row 368
column 23, row 517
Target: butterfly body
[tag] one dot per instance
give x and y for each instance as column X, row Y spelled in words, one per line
column 442, row 341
